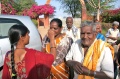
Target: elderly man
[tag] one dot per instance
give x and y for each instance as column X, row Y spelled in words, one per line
column 90, row 58
column 113, row 33
column 71, row 30
column 99, row 31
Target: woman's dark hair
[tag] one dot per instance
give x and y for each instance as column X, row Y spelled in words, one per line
column 14, row 33
column 59, row 22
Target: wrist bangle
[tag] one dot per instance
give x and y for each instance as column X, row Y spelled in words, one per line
column 94, row 73
column 52, row 47
column 88, row 72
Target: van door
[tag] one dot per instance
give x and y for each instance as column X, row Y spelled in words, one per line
column 5, row 24
column 1, row 57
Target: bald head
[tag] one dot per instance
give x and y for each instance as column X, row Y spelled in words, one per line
column 69, row 22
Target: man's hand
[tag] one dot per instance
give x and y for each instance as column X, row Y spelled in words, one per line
column 77, row 66
column 85, row 70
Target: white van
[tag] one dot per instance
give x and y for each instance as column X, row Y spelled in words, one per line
column 6, row 21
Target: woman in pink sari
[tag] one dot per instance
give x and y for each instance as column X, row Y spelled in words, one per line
column 24, row 63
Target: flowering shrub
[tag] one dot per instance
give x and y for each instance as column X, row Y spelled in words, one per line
column 35, row 10
column 7, row 9
column 114, row 12
column 111, row 15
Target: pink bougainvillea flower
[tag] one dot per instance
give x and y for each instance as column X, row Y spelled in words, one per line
column 35, row 10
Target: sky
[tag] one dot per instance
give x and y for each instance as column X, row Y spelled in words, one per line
column 117, row 4
column 59, row 12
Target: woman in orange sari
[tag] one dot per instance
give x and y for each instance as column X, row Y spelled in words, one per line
column 62, row 45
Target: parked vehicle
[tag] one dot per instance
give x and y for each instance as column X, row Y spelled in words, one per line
column 6, row 21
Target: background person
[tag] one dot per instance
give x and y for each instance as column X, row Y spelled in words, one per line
column 71, row 30
column 23, row 63
column 113, row 33
column 99, row 31
column 112, row 36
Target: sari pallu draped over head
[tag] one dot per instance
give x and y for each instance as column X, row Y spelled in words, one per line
column 59, row 69
column 93, row 55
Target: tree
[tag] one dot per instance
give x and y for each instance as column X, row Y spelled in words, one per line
column 111, row 15
column 72, row 7
column 16, row 5
column 84, row 10
column 25, row 4
column 21, row 5
column 100, row 5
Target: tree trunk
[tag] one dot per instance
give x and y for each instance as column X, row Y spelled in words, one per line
column 98, row 14
column 84, row 10
column 98, row 11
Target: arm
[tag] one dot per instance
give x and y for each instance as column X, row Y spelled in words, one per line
column 108, row 33
column 51, row 36
column 113, row 38
column 79, row 69
column 70, row 59
column 107, row 68
column 43, row 50
column 110, row 37
column 106, row 72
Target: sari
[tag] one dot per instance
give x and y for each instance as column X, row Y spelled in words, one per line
column 59, row 69
column 35, row 65
column 93, row 54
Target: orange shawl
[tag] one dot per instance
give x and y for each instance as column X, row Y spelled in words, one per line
column 59, row 71
column 93, row 55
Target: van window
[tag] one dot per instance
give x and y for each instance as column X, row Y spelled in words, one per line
column 5, row 24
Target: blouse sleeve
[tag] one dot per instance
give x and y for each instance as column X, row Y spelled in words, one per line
column 6, row 73
column 44, row 62
column 45, row 58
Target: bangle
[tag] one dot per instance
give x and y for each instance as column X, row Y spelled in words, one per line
column 52, row 47
column 88, row 72
column 94, row 73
